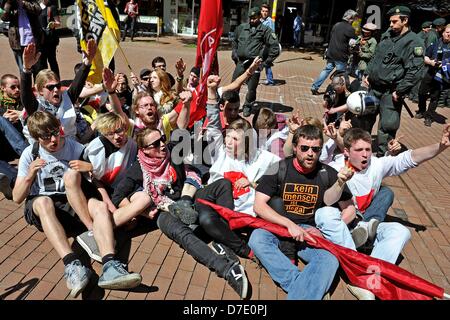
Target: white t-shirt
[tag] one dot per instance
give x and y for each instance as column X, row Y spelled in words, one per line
column 49, row 179
column 365, row 184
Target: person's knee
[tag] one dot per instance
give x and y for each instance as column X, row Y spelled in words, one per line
column 388, row 195
column 326, row 214
column 328, row 259
column 98, row 209
column 72, row 178
column 206, row 217
column 225, row 184
column 43, row 206
column 257, row 239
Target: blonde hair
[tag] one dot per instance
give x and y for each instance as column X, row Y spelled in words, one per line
column 43, row 77
column 109, row 121
column 314, row 122
column 41, row 123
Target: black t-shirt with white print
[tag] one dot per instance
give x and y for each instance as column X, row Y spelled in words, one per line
column 302, row 194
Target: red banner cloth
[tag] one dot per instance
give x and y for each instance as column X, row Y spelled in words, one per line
column 386, row 280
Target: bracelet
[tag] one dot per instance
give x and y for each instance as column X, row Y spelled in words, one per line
column 112, row 92
column 291, row 131
column 179, row 79
column 25, row 70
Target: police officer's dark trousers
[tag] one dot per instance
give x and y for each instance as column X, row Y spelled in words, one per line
column 252, row 83
column 429, row 85
column 389, row 122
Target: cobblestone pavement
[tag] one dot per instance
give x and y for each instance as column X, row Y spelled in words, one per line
column 30, row 268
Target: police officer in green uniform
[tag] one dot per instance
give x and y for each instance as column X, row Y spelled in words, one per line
column 395, row 69
column 251, row 40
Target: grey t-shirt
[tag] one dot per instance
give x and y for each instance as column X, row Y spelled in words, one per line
column 49, row 179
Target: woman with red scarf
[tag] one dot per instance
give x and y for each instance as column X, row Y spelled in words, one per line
column 153, row 184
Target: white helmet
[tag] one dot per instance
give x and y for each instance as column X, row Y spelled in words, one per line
column 360, row 103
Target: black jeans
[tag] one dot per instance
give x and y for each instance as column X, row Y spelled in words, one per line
column 220, row 192
column 183, row 235
column 434, row 88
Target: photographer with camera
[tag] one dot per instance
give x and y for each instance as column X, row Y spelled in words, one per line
column 335, row 98
column 437, row 79
column 363, row 50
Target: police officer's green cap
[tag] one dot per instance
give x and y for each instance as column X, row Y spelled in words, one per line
column 439, row 22
column 399, row 10
column 255, row 11
column 426, row 24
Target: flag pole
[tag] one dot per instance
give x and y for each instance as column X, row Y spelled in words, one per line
column 120, row 48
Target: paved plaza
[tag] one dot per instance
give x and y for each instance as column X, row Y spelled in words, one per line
column 30, row 269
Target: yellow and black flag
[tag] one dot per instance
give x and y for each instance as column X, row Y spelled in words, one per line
column 96, row 21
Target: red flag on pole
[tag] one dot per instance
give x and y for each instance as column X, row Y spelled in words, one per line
column 210, row 28
column 386, row 280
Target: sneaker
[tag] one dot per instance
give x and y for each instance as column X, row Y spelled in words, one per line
column 268, row 83
column 115, row 276
column 223, row 250
column 184, row 210
column 372, row 227
column 418, row 115
column 5, row 186
column 360, row 293
column 87, row 241
column 428, row 122
column 360, row 234
column 327, row 296
column 247, row 111
column 237, row 279
column 77, row 277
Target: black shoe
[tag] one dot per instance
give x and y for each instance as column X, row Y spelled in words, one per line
column 418, row 115
column 314, row 92
column 5, row 186
column 428, row 122
column 247, row 111
column 184, row 210
column 237, row 279
column 223, row 250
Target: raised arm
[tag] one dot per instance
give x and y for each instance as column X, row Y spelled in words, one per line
column 30, row 58
column 182, row 120
column 180, row 66
column 429, row 152
column 236, row 84
column 77, row 85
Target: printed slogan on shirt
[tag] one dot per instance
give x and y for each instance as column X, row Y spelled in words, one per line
column 300, row 198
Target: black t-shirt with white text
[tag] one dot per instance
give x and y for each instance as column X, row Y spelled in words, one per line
column 302, row 194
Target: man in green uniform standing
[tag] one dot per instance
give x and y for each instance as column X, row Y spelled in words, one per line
column 394, row 70
column 252, row 40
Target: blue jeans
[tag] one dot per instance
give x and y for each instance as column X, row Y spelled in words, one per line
column 297, row 38
column 12, row 136
column 339, row 65
column 269, row 75
column 309, row 284
column 380, row 205
column 9, row 171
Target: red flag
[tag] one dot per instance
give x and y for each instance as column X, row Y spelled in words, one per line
column 386, row 280
column 210, row 28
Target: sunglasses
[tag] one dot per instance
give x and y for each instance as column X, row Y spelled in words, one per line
column 156, row 143
column 51, row 87
column 306, row 148
column 145, row 78
column 54, row 133
column 118, row 131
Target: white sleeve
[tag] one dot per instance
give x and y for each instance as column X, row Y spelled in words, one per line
column 95, row 154
column 326, row 156
column 394, row 166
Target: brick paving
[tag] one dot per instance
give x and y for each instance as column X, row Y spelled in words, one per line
column 30, row 269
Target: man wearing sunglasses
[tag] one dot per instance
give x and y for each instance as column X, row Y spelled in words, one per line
column 50, row 96
column 296, row 197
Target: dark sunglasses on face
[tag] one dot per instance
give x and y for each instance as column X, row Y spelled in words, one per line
column 54, row 133
column 306, row 148
column 156, row 143
column 51, row 87
column 145, row 78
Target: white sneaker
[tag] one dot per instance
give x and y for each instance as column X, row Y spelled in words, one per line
column 360, row 234
column 360, row 293
column 372, row 227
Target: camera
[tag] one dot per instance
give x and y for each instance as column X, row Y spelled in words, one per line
column 330, row 97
